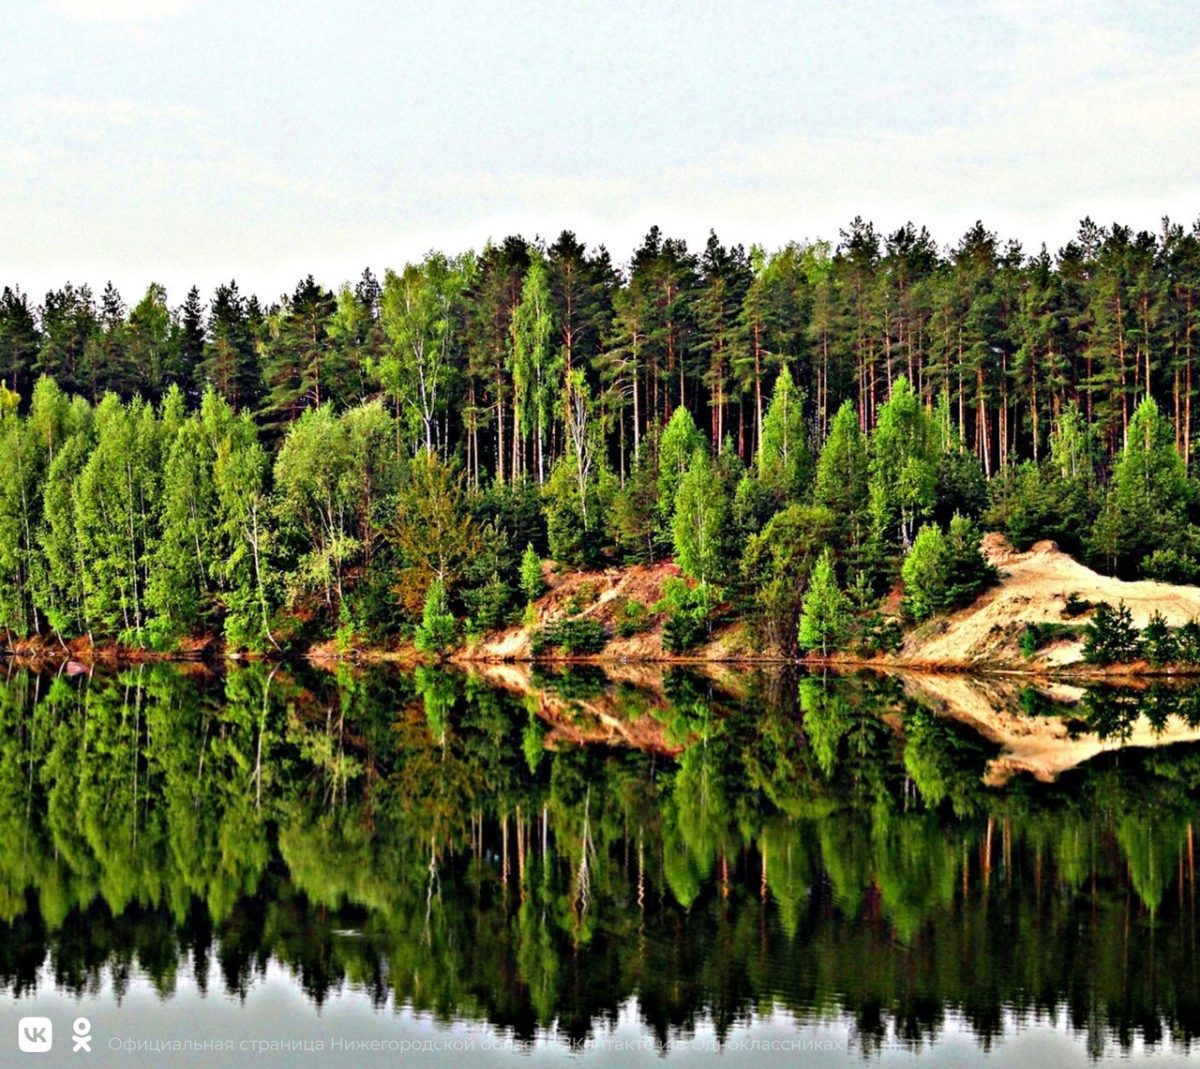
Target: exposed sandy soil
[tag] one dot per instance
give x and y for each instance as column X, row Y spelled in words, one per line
column 1033, row 588
column 1041, row 746
column 599, row 596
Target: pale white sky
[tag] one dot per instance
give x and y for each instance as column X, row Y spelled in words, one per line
column 193, row 140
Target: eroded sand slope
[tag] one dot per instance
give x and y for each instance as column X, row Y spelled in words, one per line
column 1034, row 587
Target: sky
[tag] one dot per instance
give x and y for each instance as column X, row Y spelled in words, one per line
column 190, row 141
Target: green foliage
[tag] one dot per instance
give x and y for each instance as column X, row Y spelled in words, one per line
column 633, row 617
column 876, row 633
column 1111, row 637
column 222, row 465
column 680, row 442
column 1036, row 636
column 825, row 619
column 576, row 538
column 433, row 531
column 1076, row 605
column 784, row 464
column 572, row 635
column 944, row 570
column 1030, row 640
column 700, row 525
column 438, row 629
column 1148, row 503
column 841, row 480
column 417, row 313
column 1187, row 642
column 903, row 466
column 533, row 585
column 1175, row 564
column 775, row 569
column 537, row 367
column 1158, row 641
column 687, row 610
column 488, row 604
column 633, row 519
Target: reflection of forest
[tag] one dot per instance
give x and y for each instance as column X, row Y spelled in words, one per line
column 827, row 846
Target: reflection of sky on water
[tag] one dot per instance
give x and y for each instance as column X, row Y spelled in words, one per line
column 349, row 1030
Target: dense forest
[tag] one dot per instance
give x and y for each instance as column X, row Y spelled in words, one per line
column 797, row 429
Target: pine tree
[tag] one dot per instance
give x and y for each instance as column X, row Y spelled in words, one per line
column 436, row 633
column 1149, row 498
column 825, row 618
column 303, row 365
column 186, row 348
column 231, row 363
column 18, row 341
column 536, row 368
column 532, row 583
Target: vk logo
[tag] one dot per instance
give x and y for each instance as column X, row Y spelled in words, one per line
column 35, row 1035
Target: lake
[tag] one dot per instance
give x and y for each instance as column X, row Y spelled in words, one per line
column 282, row 865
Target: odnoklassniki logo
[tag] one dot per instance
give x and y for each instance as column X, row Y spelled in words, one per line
column 35, row 1035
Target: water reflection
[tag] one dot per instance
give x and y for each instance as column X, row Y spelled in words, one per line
column 537, row 850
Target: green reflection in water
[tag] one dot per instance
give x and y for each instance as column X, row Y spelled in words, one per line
column 535, row 851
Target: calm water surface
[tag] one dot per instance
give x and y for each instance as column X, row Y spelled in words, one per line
column 281, row 866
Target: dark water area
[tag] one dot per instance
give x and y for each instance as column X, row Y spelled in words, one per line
column 282, row 865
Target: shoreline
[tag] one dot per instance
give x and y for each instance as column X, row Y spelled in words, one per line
column 88, row 657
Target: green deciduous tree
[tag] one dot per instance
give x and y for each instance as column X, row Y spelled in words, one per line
column 420, row 323
column 700, row 523
column 903, row 466
column 679, row 442
column 777, row 565
column 784, row 463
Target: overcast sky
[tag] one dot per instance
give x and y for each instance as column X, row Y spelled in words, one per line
column 193, row 140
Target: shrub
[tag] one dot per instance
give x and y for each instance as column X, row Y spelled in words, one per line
column 879, row 634
column 1111, row 637
column 488, row 604
column 1077, row 606
column 572, row 636
column 687, row 610
column 632, row 618
column 1035, row 636
column 1158, row 641
column 1030, row 641
column 944, row 570
column 533, row 586
column 436, row 632
column 1187, row 643
column 1169, row 565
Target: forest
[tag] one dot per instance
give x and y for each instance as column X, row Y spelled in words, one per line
column 799, row 430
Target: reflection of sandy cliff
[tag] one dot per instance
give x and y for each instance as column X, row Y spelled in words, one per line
column 1043, row 746
column 627, row 706
column 607, row 717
